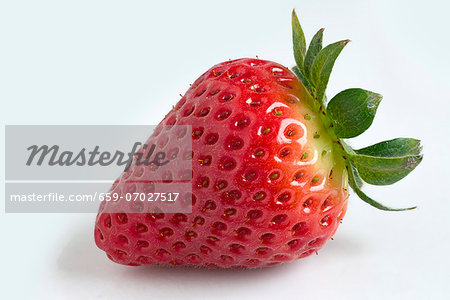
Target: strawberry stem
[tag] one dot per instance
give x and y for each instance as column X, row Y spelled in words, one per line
column 347, row 115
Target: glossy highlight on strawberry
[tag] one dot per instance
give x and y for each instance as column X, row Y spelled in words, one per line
column 270, row 167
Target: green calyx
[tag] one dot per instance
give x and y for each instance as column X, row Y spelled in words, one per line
column 347, row 115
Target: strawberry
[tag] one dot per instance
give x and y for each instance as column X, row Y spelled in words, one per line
column 270, row 167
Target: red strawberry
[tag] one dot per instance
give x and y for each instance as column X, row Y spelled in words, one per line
column 270, row 168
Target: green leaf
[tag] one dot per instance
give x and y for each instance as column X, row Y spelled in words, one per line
column 354, row 185
column 358, row 180
column 384, row 170
column 314, row 48
column 347, row 148
column 393, row 148
column 302, row 78
column 352, row 111
column 322, row 66
column 298, row 38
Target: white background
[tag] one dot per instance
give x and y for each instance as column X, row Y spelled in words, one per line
column 125, row 62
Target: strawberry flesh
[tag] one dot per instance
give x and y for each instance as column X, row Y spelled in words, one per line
column 267, row 187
